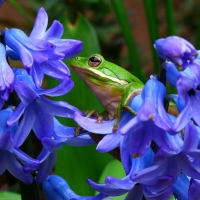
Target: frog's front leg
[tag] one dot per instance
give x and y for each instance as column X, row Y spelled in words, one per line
column 131, row 91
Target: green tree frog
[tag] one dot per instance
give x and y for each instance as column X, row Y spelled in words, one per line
column 111, row 84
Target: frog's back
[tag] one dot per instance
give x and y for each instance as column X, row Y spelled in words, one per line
column 119, row 73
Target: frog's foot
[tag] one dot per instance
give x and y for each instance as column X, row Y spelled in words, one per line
column 115, row 127
column 129, row 109
column 90, row 113
column 77, row 131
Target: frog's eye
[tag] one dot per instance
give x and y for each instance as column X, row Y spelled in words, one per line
column 94, row 61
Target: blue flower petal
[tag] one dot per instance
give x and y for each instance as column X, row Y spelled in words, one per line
column 181, row 187
column 109, row 142
column 40, row 24
column 55, row 68
column 46, row 168
column 55, row 31
column 92, row 126
column 24, row 127
column 193, row 192
column 125, row 153
column 107, row 190
column 57, row 188
column 136, row 193
column 26, row 159
column 16, row 115
column 16, row 169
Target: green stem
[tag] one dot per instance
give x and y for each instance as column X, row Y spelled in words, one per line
column 169, row 17
column 126, row 29
column 151, row 17
column 29, row 192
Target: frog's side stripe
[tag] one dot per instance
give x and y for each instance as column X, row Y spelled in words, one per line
column 121, row 82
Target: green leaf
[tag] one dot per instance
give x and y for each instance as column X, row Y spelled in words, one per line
column 128, row 36
column 171, row 28
column 76, row 164
column 9, row 196
column 152, row 22
column 172, row 197
column 115, row 169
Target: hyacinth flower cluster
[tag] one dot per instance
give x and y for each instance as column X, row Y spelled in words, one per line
column 41, row 53
column 160, row 146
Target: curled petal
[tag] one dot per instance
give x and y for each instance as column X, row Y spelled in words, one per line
column 16, row 169
column 68, row 47
column 26, row 159
column 181, row 187
column 43, row 123
column 92, row 126
column 175, row 49
column 57, row 188
column 25, row 93
column 12, row 54
column 23, row 53
column 55, row 31
column 107, row 190
column 125, row 153
column 64, row 87
column 143, row 138
column 187, row 167
column 56, row 69
column 37, row 74
column 172, row 73
column 16, row 115
column 40, row 24
column 59, row 108
column 46, row 168
column 193, row 192
column 165, row 194
column 24, row 127
column 6, row 75
column 136, row 193
column 109, row 142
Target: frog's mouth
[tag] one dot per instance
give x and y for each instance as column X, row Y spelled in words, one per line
column 87, row 73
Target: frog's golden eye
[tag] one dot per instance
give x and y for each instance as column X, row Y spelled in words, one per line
column 94, row 61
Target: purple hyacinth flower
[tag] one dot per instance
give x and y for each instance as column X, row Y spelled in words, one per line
column 68, row 47
column 65, row 135
column 37, row 110
column 41, row 53
column 187, row 84
column 175, row 49
column 57, row 188
column 183, row 151
column 37, row 113
column 30, row 50
column 6, row 77
column 152, row 109
column 110, row 140
column 60, row 136
column 156, row 180
column 11, row 157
